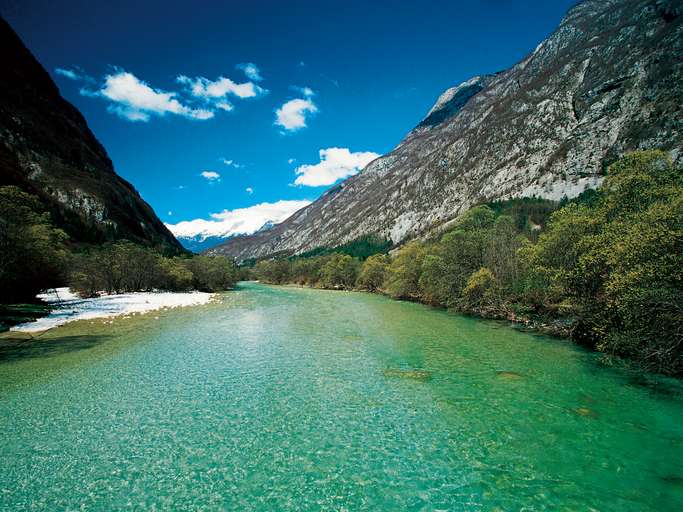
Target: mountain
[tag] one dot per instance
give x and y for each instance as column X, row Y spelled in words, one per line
column 202, row 242
column 199, row 243
column 47, row 149
column 202, row 234
column 606, row 82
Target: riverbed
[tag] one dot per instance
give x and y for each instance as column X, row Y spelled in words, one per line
column 277, row 398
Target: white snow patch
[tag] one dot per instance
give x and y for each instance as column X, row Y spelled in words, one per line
column 69, row 307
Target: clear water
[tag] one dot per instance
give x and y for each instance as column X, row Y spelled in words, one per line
column 295, row 399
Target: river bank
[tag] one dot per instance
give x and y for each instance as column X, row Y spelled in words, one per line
column 66, row 306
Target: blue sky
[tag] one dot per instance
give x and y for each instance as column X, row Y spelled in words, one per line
column 151, row 82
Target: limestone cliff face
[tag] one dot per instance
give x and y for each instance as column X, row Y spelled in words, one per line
column 608, row 81
column 47, row 149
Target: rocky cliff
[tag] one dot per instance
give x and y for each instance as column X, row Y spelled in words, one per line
column 608, row 81
column 47, row 149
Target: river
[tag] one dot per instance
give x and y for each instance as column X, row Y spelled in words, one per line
column 279, row 398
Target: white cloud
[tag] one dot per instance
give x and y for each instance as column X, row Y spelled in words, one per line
column 292, row 115
column 75, row 73
column 306, row 91
column 210, row 175
column 249, row 190
column 291, row 160
column 335, row 164
column 231, row 163
column 224, row 105
column 211, row 90
column 135, row 100
column 251, row 71
column 69, row 73
column 238, row 221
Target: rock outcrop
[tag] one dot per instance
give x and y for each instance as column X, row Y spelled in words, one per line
column 47, row 149
column 608, row 81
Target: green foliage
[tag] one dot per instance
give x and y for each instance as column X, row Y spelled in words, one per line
column 480, row 293
column 174, row 275
column 403, row 275
column 306, row 271
column 373, row 272
column 273, row 271
column 433, row 285
column 619, row 262
column 212, row 273
column 32, row 252
column 530, row 214
column 340, row 271
column 34, row 256
column 362, row 248
column 127, row 267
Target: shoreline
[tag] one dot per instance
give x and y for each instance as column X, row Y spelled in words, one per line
column 67, row 307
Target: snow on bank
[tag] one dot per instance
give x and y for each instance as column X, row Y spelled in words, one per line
column 69, row 307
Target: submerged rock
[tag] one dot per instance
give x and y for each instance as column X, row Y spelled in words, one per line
column 509, row 375
column 408, row 373
column 585, row 412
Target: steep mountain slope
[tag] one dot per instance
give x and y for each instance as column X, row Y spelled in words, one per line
column 607, row 81
column 47, row 149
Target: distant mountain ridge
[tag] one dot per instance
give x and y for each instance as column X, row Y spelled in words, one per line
column 47, row 149
column 606, row 82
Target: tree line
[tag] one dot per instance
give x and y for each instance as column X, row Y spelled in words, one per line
column 35, row 255
column 605, row 269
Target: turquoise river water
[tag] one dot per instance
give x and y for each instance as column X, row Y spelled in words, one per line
column 277, row 398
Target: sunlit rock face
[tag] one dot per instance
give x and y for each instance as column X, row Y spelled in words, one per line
column 608, row 81
column 47, row 149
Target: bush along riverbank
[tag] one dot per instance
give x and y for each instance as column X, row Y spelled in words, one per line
column 35, row 255
column 605, row 269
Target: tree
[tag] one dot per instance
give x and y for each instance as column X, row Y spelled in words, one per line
column 276, row 271
column 480, row 294
column 174, row 275
column 433, row 284
column 619, row 261
column 32, row 252
column 403, row 275
column 212, row 273
column 373, row 272
column 340, row 271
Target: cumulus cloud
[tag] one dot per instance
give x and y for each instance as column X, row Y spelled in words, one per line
column 238, row 221
column 251, row 71
column 335, row 164
column 133, row 99
column 220, row 88
column 210, row 175
column 292, row 115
